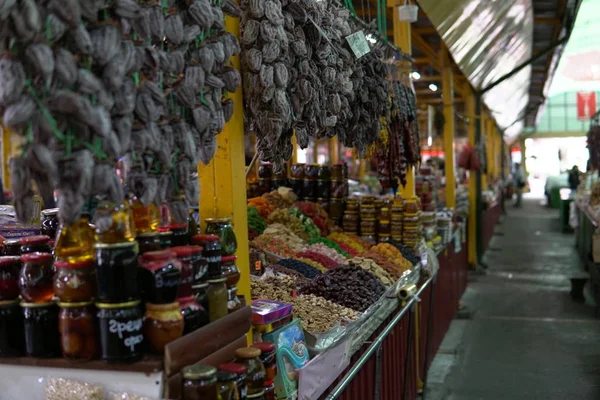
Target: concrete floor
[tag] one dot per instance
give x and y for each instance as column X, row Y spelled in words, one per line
column 525, row 338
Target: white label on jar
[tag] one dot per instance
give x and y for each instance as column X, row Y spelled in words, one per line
column 132, row 341
column 160, row 282
column 117, row 327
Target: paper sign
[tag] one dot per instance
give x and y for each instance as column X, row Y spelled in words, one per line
column 586, row 105
column 358, row 43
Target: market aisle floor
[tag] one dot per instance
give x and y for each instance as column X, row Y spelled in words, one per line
column 525, row 339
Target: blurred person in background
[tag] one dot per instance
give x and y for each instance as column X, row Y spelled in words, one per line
column 520, row 181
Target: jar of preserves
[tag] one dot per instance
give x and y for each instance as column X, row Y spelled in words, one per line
column 324, row 173
column 297, row 185
column 121, row 337
column 160, row 276
column 166, row 239
column 411, row 206
column 297, row 171
column 240, row 377
column 267, row 357
column 199, row 382
column 186, row 256
column 384, row 227
column 367, row 211
column 49, row 223
column 35, row 278
column 211, row 253
column 230, row 271
column 265, row 171
column 201, row 294
column 217, row 299
column 311, row 171
column 194, row 315
column 337, row 172
column 352, row 205
column 35, row 244
column 337, row 190
column 10, row 268
column 255, row 380
column 146, row 218
column 368, row 224
column 148, row 241
column 193, row 223
column 269, row 390
column 227, row 388
column 309, row 189
column 41, row 329
column 350, row 221
column 75, row 242
column 117, row 272
column 114, row 223
column 163, row 323
column 233, row 301
column 199, row 264
column 323, row 189
column 12, row 247
column 180, row 235
column 75, row 282
column 12, row 334
column 78, row 331
column 224, row 230
column 336, row 209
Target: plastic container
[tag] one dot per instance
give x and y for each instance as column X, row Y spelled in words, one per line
column 268, row 311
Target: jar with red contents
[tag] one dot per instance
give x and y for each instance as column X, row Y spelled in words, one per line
column 10, row 267
column 160, row 276
column 75, row 282
column 230, row 271
column 11, row 247
column 36, row 277
column 211, row 253
column 194, row 315
column 185, row 255
column 180, row 234
column 35, row 244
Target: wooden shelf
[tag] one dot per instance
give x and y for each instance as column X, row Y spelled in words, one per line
column 148, row 365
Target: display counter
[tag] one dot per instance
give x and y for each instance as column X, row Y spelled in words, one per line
column 588, row 223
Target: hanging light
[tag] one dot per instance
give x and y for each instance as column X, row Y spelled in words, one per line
column 433, row 87
column 415, row 75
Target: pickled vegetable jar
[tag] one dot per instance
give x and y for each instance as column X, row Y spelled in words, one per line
column 12, row 333
column 117, row 272
column 75, row 242
column 78, row 331
column 240, row 371
column 250, row 357
column 35, row 244
column 121, row 336
column 148, row 241
column 186, row 256
column 226, row 385
column 36, row 277
column 163, row 323
column 199, row 382
column 41, row 329
column 224, row 230
column 217, row 299
column 75, row 282
column 49, row 224
column 10, row 268
column 194, row 315
column 160, row 276
column 230, row 271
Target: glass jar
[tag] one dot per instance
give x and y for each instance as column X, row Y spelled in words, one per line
column 381, row 238
column 114, row 223
column 337, row 172
column 199, row 382
column 224, row 230
column 201, row 294
column 159, row 276
column 193, row 223
column 49, row 223
column 264, row 186
column 233, row 301
column 12, row 334
column 368, row 224
column 199, row 264
column 324, row 203
column 35, row 278
column 41, row 329
column 12, row 247
column 267, row 357
column 75, row 282
column 75, row 242
column 352, row 205
column 250, row 357
column 240, row 377
column 411, row 206
column 166, row 239
column 10, row 268
column 148, row 241
column 367, row 211
column 337, row 189
column 311, row 171
column 350, row 221
column 121, row 337
column 297, row 171
column 180, row 235
column 269, row 390
column 194, row 315
column 227, row 388
column 211, row 253
column 336, row 209
column 78, row 331
column 146, row 218
column 324, row 173
column 309, row 189
column 35, row 244
column 163, row 323
column 384, row 226
column 265, row 171
column 323, row 189
column 117, row 272
column 230, row 271
column 186, row 256
column 217, row 299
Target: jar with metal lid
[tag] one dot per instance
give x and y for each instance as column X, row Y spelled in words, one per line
column 159, row 276
column 121, row 336
column 75, row 282
column 75, row 242
column 10, row 268
column 227, row 387
column 211, row 253
column 200, row 382
column 180, row 235
column 12, row 247
column 146, row 218
column 381, row 238
column 269, row 390
column 240, row 381
column 352, row 205
column 117, row 272
column 230, row 271
column 224, row 230
column 35, row 244
column 250, row 357
column 297, row 171
column 163, row 323
column 194, row 315
column 49, row 223
column 148, row 241
column 233, row 301
column 217, row 299
column 367, row 211
column 166, row 239
column 78, row 331
column 12, row 330
column 41, row 329
column 36, row 277
column 384, row 226
column 267, row 357
column 350, row 221
column 368, row 225
column 201, row 294
column 186, row 256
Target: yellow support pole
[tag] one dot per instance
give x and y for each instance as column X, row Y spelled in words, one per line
column 222, row 178
column 472, row 228
column 294, row 149
column 334, row 150
column 484, row 130
column 448, row 98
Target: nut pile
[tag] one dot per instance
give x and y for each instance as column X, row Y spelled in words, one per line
column 281, row 270
column 347, row 285
column 261, row 289
column 319, row 315
column 369, row 265
column 67, row 389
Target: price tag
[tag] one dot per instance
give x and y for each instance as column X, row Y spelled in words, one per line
column 358, row 43
column 258, row 265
